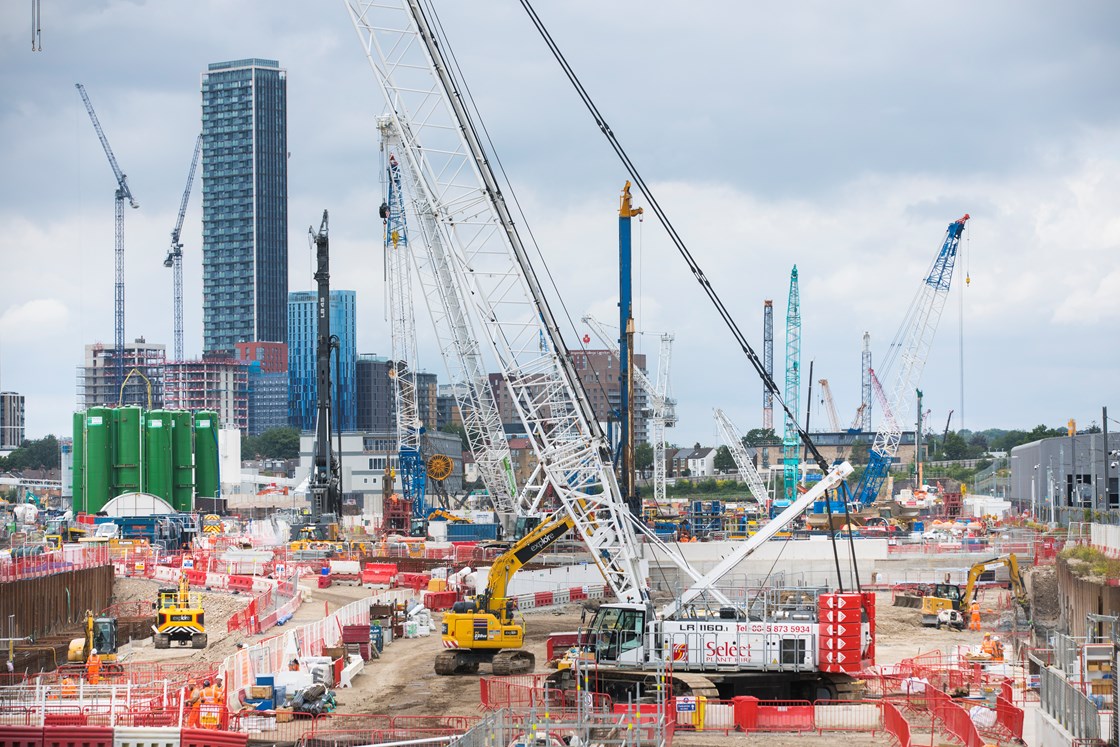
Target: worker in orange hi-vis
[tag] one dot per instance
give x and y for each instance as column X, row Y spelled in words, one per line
column 93, row 668
column 194, row 700
column 974, row 611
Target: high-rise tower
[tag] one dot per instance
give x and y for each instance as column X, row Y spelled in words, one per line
column 244, row 204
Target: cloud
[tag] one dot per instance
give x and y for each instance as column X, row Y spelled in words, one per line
column 34, row 321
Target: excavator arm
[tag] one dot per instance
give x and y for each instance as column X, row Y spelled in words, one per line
column 1012, row 563
column 494, row 599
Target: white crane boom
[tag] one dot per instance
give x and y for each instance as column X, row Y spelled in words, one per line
column 829, row 405
column 830, row 480
column 458, row 343
column 455, row 177
column 730, row 435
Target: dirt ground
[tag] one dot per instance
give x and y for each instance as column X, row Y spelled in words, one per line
column 404, row 681
column 218, row 606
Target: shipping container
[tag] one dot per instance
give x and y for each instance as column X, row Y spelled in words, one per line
column 471, row 532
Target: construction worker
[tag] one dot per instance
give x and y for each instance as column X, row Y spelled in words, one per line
column 194, row 700
column 69, row 689
column 209, row 700
column 93, row 668
column 988, row 647
column 974, row 612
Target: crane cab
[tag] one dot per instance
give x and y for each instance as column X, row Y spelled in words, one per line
column 617, row 634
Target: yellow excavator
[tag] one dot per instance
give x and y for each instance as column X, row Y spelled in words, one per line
column 100, row 635
column 484, row 630
column 179, row 619
column 949, row 598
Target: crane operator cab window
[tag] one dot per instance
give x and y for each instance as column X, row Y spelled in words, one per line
column 616, row 634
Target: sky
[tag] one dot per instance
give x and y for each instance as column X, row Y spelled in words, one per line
column 840, row 137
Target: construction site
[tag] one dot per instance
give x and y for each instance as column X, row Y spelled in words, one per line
column 570, row 600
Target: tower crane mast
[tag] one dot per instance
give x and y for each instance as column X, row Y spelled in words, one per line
column 917, row 332
column 325, row 482
column 174, row 258
column 791, row 440
column 122, row 193
column 768, row 362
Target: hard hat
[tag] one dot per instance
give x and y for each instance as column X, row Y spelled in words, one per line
column 987, row 635
column 93, row 652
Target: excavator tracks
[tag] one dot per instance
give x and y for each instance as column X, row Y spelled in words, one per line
column 456, row 662
column 512, row 661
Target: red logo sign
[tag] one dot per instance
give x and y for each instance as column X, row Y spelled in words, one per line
column 680, row 651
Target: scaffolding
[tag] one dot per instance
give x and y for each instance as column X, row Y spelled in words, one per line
column 217, row 384
column 97, row 384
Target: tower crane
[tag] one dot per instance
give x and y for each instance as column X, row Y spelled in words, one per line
column 122, row 193
column 458, row 342
column 429, row 105
column 829, row 405
column 768, row 362
column 175, row 254
column 398, row 276
column 791, row 441
column 917, row 332
column 663, row 408
column 865, row 381
column 734, row 440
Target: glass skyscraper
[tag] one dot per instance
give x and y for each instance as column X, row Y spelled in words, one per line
column 244, row 204
column 302, row 335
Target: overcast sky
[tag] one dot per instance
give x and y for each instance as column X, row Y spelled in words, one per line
column 840, row 137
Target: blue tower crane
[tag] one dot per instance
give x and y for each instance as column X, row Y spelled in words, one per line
column 917, row 332
column 413, row 471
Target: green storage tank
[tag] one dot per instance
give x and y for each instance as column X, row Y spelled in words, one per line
column 128, row 452
column 98, row 459
column 158, row 465
column 206, row 478
column 78, row 462
column 182, row 461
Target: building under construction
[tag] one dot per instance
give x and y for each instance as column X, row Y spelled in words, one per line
column 216, row 383
column 98, row 385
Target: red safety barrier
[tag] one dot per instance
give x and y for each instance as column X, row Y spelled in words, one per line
column 785, row 715
column 577, row 594
column 240, row 583
column 1009, row 717
column 440, row 600
column 211, row 738
column 21, row 736
column 543, row 598
column 77, row 736
column 895, row 724
column 953, row 717
column 557, row 643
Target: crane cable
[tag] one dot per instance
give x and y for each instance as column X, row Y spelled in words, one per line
column 693, row 265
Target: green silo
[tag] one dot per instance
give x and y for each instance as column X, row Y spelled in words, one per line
column 182, row 461
column 98, row 459
column 157, row 454
column 129, row 421
column 206, row 454
column 78, row 462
